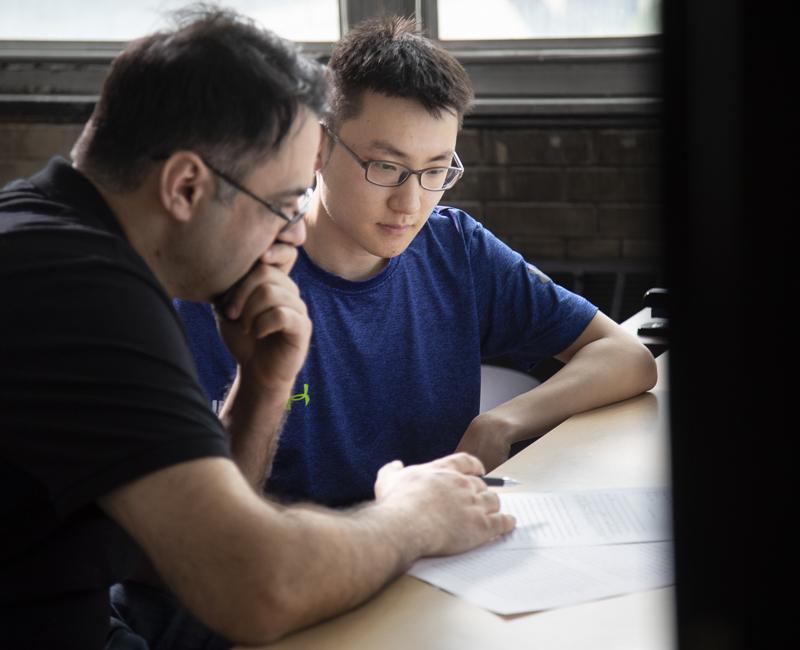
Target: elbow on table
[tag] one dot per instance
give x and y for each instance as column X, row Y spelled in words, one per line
column 631, row 366
column 648, row 371
column 260, row 619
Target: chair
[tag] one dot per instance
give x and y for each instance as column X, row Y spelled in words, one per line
column 499, row 384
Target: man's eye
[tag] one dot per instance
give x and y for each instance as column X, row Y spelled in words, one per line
column 387, row 167
column 436, row 171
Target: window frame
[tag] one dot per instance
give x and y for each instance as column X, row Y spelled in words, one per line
column 607, row 80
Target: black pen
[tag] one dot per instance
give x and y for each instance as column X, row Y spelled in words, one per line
column 499, row 481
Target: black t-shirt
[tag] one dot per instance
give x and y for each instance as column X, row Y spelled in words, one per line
column 97, row 388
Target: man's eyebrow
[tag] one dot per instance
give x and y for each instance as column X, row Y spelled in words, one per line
column 386, row 147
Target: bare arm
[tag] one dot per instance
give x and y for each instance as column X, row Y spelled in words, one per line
column 254, row 571
column 266, row 327
column 605, row 364
column 253, row 417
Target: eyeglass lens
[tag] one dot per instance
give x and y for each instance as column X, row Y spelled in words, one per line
column 388, row 174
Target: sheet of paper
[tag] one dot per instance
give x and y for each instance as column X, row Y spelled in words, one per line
column 589, row 517
column 527, row 580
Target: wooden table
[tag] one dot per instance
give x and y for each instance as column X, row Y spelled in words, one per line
column 622, row 445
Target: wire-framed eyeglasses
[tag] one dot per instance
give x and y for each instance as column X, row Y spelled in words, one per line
column 386, row 173
column 303, row 201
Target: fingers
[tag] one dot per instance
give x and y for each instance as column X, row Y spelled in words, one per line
column 461, row 462
column 386, row 478
column 453, row 511
column 501, row 524
column 291, row 321
column 264, row 287
column 266, row 325
column 488, row 518
column 389, row 468
column 474, row 514
column 280, row 255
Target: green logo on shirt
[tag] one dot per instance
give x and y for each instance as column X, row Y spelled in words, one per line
column 300, row 397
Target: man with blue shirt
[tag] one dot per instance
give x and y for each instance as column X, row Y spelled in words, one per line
column 408, row 296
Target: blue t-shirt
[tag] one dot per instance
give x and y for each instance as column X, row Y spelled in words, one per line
column 393, row 370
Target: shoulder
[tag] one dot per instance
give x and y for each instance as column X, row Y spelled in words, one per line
column 59, row 207
column 64, row 234
column 448, row 227
column 453, row 226
column 455, row 221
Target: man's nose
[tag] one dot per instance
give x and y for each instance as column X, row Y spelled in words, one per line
column 295, row 234
column 407, row 198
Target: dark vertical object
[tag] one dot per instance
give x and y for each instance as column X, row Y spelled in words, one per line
column 727, row 210
column 353, row 12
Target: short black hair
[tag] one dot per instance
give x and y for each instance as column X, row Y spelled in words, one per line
column 217, row 84
column 390, row 56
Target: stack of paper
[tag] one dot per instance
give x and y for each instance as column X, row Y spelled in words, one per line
column 568, row 548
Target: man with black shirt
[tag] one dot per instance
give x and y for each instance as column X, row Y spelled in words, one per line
column 191, row 175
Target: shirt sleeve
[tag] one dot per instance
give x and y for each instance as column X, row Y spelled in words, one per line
column 216, row 367
column 522, row 312
column 98, row 387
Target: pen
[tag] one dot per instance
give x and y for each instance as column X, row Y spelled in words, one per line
column 499, row 481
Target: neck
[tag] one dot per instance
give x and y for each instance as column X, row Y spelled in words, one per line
column 332, row 250
column 143, row 228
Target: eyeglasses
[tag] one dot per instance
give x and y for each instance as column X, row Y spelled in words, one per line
column 303, row 201
column 391, row 174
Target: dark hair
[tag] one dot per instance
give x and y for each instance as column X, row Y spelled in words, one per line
column 217, row 84
column 390, row 56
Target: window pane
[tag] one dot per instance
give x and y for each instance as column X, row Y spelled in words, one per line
column 104, row 20
column 505, row 19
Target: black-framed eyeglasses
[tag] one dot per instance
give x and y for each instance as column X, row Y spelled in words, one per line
column 386, row 173
column 303, row 201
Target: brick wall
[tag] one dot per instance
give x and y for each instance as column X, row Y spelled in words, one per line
column 26, row 147
column 565, row 194
column 582, row 203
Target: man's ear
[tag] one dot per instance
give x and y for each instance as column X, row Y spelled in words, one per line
column 184, row 183
column 323, row 151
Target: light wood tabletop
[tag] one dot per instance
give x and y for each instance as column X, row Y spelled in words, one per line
column 621, row 445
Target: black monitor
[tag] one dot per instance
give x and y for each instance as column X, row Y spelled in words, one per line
column 730, row 181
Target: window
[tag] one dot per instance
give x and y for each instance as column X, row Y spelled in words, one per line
column 530, row 19
column 528, row 59
column 101, row 20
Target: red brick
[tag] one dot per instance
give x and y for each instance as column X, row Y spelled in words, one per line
column 642, row 221
column 593, row 249
column 469, row 147
column 641, row 249
column 536, row 219
column 613, row 185
column 477, row 183
column 538, row 248
column 628, row 147
column 538, row 184
column 538, row 147
column 37, row 141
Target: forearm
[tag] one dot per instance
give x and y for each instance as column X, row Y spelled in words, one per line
column 601, row 372
column 267, row 330
column 332, row 562
column 254, row 571
column 253, row 418
column 251, row 570
column 338, row 559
